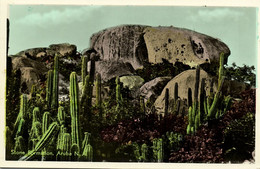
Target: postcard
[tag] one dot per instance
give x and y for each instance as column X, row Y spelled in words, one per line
column 129, row 85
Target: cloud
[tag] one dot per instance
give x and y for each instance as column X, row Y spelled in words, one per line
column 217, row 14
column 56, row 16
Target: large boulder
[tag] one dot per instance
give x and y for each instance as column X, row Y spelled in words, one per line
column 65, row 49
column 123, row 43
column 110, row 69
column 152, row 89
column 42, row 54
column 31, row 71
column 137, row 44
column 132, row 82
column 183, row 45
column 185, row 81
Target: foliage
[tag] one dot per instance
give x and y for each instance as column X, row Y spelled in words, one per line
column 239, row 138
column 204, row 146
column 243, row 73
column 151, row 71
column 210, row 144
column 121, row 128
column 143, row 130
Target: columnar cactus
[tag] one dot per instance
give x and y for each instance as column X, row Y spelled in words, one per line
column 166, row 103
column 8, row 30
column 36, row 130
column 23, row 110
column 8, row 142
column 154, row 147
column 86, row 139
column 98, row 90
column 136, row 152
column 213, row 108
column 144, row 151
column 194, row 111
column 19, row 144
column 65, row 148
column 55, row 86
column 202, row 99
column 176, row 94
column 49, row 88
column 92, row 67
column 45, row 122
column 20, row 129
column 33, row 91
column 61, row 115
column 87, row 151
column 86, row 98
column 59, row 139
column 189, row 97
column 74, row 110
column 142, row 105
column 160, row 150
column 158, row 153
column 119, row 98
column 84, row 68
column 43, row 142
column 36, row 113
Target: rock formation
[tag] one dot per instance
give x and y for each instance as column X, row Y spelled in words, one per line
column 185, row 81
column 136, row 44
column 152, row 89
column 31, row 71
column 42, row 54
column 183, row 45
column 122, row 43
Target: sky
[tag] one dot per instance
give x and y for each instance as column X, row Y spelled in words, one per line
column 42, row 25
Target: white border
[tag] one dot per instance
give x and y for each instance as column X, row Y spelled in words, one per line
column 4, row 14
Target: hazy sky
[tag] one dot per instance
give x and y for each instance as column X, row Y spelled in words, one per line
column 40, row 26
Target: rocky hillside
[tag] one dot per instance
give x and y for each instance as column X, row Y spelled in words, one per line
column 126, row 51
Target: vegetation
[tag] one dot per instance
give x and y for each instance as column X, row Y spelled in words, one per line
column 241, row 73
column 213, row 128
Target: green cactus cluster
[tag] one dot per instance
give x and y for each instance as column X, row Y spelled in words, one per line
column 158, row 152
column 50, row 128
column 87, row 149
column 46, row 129
column 194, row 112
column 207, row 107
column 174, row 140
column 141, row 152
column 217, row 105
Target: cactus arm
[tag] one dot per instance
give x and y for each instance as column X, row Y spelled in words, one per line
column 45, row 122
column 22, row 111
column 49, row 88
column 55, row 86
column 98, row 90
column 44, row 141
column 84, row 69
column 144, row 151
column 221, row 70
column 166, row 101
column 61, row 115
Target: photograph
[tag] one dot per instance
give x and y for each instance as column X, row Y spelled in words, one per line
column 135, row 84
